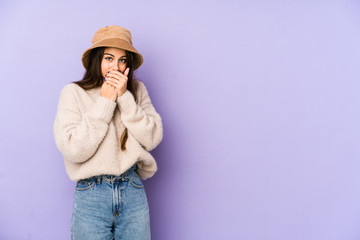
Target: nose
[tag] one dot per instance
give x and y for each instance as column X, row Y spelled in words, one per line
column 115, row 66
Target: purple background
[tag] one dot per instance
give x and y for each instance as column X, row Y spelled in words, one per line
column 260, row 105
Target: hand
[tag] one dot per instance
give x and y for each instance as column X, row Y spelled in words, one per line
column 108, row 91
column 118, row 80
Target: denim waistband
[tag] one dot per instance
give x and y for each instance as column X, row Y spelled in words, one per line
column 113, row 178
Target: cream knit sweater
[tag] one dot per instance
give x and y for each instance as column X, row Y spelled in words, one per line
column 88, row 127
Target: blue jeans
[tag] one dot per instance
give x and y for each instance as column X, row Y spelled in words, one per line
column 111, row 207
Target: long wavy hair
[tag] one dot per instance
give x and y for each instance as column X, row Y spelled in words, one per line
column 93, row 78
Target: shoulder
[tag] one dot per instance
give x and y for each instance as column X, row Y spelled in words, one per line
column 71, row 89
column 70, row 93
column 141, row 88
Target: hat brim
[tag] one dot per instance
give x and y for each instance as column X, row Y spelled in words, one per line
column 117, row 43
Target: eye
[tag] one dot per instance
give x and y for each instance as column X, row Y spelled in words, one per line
column 123, row 60
column 109, row 58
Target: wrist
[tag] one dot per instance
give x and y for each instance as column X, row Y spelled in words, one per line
column 121, row 93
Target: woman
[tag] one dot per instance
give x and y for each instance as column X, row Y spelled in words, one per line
column 104, row 127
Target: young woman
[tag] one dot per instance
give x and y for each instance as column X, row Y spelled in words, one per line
column 104, row 127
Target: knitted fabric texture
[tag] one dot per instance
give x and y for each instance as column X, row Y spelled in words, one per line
column 88, row 127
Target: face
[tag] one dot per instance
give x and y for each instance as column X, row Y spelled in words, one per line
column 114, row 59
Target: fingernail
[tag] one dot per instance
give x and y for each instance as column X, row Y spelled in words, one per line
column 105, row 75
column 104, row 79
column 108, row 71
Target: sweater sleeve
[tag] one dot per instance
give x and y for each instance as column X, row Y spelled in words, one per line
column 78, row 135
column 141, row 119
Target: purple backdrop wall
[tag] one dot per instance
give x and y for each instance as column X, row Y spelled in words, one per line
column 260, row 105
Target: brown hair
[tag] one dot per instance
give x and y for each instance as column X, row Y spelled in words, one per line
column 93, row 78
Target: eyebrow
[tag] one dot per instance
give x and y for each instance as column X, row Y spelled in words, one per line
column 112, row 55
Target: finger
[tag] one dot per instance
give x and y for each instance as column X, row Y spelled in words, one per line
column 120, row 81
column 107, row 85
column 117, row 75
column 117, row 84
column 111, row 84
column 112, row 74
column 127, row 71
column 116, row 80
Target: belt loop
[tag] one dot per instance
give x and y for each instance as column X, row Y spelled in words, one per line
column 98, row 179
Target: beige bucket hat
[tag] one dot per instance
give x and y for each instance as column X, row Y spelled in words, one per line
column 113, row 36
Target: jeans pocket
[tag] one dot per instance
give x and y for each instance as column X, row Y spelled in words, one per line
column 85, row 184
column 136, row 182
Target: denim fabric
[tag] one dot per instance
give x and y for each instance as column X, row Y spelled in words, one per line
column 111, row 207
